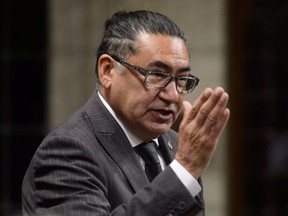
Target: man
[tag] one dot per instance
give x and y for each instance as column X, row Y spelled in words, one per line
column 93, row 164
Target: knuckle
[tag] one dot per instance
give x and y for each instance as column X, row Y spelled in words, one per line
column 203, row 113
column 212, row 118
column 194, row 111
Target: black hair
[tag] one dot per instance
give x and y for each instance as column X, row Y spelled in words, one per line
column 122, row 29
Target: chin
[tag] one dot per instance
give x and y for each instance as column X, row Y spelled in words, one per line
column 160, row 129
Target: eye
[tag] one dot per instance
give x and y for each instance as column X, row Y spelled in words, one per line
column 157, row 79
column 182, row 81
column 158, row 74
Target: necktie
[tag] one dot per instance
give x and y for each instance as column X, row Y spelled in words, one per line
column 148, row 153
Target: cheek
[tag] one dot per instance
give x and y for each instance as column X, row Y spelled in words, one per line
column 130, row 104
column 136, row 106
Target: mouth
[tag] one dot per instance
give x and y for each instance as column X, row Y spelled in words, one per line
column 163, row 115
column 166, row 112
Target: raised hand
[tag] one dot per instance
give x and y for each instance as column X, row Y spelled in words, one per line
column 200, row 129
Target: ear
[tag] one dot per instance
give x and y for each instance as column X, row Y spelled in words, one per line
column 106, row 66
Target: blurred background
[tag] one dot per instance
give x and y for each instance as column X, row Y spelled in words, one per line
column 47, row 72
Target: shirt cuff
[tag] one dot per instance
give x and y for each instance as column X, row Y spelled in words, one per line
column 186, row 178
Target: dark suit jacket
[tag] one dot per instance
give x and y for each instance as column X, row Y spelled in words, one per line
column 88, row 167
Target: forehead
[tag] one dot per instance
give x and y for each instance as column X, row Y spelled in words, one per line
column 161, row 47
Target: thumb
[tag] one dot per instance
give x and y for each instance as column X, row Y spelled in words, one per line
column 187, row 111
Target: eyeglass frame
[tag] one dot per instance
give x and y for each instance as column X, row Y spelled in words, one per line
column 145, row 73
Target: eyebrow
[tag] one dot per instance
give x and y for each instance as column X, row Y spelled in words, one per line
column 166, row 67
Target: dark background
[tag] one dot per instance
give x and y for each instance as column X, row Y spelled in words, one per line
column 23, row 93
column 258, row 86
column 258, row 79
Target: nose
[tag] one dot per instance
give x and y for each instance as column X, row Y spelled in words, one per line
column 170, row 93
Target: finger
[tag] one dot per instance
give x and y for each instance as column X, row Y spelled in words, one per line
column 208, row 106
column 198, row 103
column 219, row 126
column 187, row 109
column 217, row 110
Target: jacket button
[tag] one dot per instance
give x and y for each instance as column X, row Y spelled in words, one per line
column 182, row 205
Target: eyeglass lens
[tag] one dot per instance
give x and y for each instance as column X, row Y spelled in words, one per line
column 161, row 80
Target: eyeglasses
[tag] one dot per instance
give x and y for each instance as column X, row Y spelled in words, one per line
column 159, row 80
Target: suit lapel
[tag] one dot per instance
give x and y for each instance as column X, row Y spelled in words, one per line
column 114, row 141
column 121, row 151
column 168, row 147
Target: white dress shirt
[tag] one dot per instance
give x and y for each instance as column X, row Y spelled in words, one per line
column 185, row 177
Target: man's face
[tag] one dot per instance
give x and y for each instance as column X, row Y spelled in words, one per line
column 150, row 112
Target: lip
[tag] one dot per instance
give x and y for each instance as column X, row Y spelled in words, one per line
column 163, row 115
